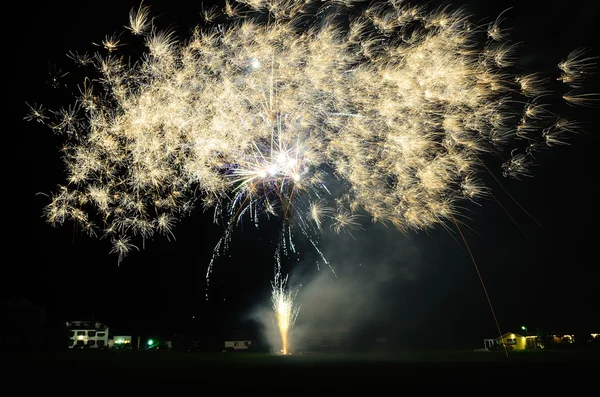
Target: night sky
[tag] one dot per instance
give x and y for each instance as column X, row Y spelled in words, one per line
column 421, row 289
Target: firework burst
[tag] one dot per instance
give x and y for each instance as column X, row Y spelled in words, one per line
column 272, row 101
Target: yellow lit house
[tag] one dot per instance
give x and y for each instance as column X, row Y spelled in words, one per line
column 512, row 341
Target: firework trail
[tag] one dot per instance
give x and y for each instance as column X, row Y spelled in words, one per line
column 284, row 307
column 272, row 102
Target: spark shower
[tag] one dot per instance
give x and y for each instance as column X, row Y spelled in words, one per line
column 316, row 112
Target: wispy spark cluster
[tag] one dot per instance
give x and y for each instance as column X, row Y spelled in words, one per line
column 284, row 306
column 272, row 101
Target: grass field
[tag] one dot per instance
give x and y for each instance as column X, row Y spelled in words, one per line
column 316, row 372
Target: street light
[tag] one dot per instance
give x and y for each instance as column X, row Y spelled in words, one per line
column 524, row 328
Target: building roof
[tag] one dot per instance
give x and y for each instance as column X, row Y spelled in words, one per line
column 505, row 335
column 86, row 325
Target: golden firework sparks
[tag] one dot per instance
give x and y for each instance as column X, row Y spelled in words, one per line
column 257, row 116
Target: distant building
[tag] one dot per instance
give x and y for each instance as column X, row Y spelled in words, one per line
column 238, row 344
column 236, row 340
column 560, row 339
column 512, row 341
column 88, row 334
column 120, row 341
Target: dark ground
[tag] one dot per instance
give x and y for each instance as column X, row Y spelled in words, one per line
column 224, row 372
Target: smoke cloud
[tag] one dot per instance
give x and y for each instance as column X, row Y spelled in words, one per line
column 356, row 303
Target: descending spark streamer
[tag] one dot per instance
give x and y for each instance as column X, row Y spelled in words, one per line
column 271, row 103
column 284, row 307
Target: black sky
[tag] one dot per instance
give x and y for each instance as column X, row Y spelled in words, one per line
column 428, row 283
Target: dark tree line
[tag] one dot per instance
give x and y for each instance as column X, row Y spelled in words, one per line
column 29, row 327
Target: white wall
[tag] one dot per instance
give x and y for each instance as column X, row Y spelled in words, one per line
column 240, row 345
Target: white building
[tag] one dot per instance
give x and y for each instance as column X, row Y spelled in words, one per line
column 122, row 341
column 90, row 334
column 238, row 344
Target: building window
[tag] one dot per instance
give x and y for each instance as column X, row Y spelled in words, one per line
column 80, row 343
column 101, row 334
column 235, row 344
column 91, row 333
column 80, row 333
column 246, row 344
column 100, row 343
column 91, row 343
